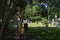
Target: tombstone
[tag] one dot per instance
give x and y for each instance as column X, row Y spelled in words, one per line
column 58, row 24
column 47, row 24
column 37, row 23
column 25, row 25
column 55, row 19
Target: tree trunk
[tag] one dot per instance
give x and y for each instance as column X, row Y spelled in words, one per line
column 5, row 19
column 19, row 23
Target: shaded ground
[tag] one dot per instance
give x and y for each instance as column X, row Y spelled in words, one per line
column 10, row 35
column 35, row 33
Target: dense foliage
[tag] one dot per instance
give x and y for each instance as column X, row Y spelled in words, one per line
column 34, row 9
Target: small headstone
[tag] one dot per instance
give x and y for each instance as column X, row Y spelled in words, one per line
column 25, row 25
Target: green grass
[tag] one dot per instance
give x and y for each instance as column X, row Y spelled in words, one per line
column 43, row 33
column 12, row 27
column 34, row 24
column 39, row 25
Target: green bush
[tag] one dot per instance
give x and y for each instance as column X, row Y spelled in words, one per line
column 33, row 19
column 44, row 20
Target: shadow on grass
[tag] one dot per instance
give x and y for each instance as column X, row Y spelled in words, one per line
column 43, row 33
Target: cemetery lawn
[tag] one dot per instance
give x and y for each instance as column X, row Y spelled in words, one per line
column 33, row 24
column 43, row 33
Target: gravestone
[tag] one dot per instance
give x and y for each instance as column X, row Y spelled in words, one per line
column 25, row 25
